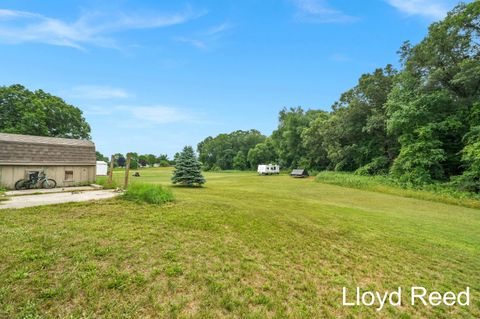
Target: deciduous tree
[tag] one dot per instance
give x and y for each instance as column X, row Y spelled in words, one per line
column 39, row 113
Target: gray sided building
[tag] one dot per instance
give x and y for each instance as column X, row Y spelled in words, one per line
column 69, row 162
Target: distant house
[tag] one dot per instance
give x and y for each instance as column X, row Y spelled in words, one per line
column 102, row 168
column 68, row 161
column 269, row 169
column 299, row 172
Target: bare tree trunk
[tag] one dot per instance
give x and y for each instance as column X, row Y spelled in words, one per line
column 127, row 171
column 110, row 173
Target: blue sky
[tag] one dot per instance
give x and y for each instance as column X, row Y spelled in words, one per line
column 153, row 76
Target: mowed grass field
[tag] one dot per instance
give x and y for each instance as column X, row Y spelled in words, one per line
column 243, row 246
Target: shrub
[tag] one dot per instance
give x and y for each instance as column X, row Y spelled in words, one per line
column 215, row 168
column 103, row 181
column 2, row 194
column 164, row 163
column 313, row 172
column 148, row 193
column 378, row 166
column 468, row 182
column 420, row 158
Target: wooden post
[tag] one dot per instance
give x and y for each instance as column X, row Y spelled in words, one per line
column 110, row 173
column 127, row 171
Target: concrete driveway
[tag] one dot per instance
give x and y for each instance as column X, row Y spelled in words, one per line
column 56, row 198
column 36, row 191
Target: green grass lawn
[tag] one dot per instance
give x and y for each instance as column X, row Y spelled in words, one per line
column 382, row 184
column 244, row 246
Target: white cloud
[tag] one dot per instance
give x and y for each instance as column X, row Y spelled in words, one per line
column 318, row 11
column 5, row 14
column 134, row 116
column 432, row 9
column 91, row 28
column 97, row 110
column 207, row 38
column 97, row 92
column 339, row 57
column 200, row 44
column 161, row 114
column 217, row 29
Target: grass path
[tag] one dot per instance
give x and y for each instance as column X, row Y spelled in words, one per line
column 244, row 246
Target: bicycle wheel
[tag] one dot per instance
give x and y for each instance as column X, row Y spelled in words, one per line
column 49, row 183
column 21, row 184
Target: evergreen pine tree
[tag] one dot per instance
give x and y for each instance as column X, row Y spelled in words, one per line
column 187, row 169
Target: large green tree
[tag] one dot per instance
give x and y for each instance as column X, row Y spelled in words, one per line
column 220, row 151
column 470, row 180
column 101, row 157
column 142, row 160
column 240, row 161
column 120, row 160
column 39, row 113
column 314, row 143
column 151, row 159
column 163, row 160
column 262, row 153
column 287, row 138
column 432, row 105
column 134, row 157
column 354, row 136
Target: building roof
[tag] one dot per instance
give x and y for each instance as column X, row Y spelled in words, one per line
column 16, row 149
column 299, row 171
column 5, row 137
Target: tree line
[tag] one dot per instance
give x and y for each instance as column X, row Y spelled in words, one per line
column 136, row 160
column 419, row 124
column 229, row 151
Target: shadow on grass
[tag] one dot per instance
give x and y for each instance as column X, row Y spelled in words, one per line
column 188, row 186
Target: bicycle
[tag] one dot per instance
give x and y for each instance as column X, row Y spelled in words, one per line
column 34, row 180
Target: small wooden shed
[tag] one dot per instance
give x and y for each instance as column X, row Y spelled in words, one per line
column 68, row 161
column 299, row 172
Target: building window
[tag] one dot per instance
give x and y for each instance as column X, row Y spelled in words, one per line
column 32, row 175
column 68, row 176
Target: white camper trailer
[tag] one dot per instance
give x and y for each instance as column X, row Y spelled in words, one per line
column 269, row 169
column 101, row 168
